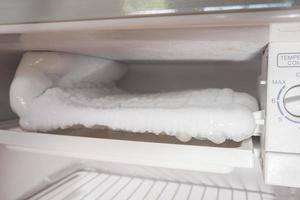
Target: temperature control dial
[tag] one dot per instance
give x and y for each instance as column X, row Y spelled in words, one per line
column 291, row 101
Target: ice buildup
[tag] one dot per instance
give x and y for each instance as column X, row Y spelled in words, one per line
column 58, row 90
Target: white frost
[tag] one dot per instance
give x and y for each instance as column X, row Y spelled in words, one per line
column 57, row 90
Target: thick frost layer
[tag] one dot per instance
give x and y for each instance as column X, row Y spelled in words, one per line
column 56, row 90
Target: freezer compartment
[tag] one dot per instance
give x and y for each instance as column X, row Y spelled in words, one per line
column 146, row 150
column 157, row 60
column 58, row 90
column 160, row 59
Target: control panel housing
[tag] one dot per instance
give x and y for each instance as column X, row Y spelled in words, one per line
column 283, row 98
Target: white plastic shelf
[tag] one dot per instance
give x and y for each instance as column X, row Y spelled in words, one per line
column 213, row 159
column 92, row 185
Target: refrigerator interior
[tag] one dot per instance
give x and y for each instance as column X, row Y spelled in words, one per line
column 158, row 59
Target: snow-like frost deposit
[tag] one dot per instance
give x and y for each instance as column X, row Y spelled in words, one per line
column 56, row 90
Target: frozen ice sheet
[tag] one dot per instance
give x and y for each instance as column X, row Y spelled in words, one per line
column 57, row 90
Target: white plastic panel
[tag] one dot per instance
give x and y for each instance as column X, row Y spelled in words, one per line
column 95, row 185
column 282, row 169
column 285, row 32
column 139, row 43
column 174, row 156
